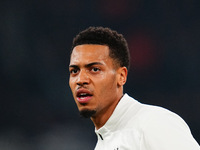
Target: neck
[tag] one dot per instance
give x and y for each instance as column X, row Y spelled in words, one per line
column 102, row 117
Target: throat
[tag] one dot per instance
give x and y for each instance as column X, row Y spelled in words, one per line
column 99, row 120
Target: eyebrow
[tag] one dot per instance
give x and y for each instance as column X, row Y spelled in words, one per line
column 87, row 65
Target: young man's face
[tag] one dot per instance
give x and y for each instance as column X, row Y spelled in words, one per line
column 93, row 79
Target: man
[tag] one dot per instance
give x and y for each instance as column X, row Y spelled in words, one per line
column 98, row 70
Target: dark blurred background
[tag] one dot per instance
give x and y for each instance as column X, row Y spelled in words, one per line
column 37, row 111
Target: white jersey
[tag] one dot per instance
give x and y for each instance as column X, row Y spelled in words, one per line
column 136, row 126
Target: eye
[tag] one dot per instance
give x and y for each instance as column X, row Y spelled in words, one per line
column 95, row 69
column 73, row 71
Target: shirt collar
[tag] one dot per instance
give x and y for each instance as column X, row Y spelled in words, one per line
column 114, row 121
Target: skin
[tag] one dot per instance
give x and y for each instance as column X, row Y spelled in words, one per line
column 94, row 71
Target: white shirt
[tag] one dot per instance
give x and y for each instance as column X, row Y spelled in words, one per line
column 136, row 126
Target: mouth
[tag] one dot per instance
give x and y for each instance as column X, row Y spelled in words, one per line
column 83, row 96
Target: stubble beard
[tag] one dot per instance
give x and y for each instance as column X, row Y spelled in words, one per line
column 87, row 113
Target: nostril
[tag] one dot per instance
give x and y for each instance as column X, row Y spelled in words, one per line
column 82, row 83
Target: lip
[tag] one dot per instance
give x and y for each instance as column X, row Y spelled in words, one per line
column 84, row 99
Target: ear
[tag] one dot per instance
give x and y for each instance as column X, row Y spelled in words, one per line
column 122, row 76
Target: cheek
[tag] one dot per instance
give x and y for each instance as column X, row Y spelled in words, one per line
column 108, row 84
column 71, row 84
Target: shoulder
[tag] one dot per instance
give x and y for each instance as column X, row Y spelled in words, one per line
column 161, row 128
column 149, row 117
column 158, row 128
column 159, row 117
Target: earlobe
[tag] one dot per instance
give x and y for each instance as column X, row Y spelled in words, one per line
column 122, row 72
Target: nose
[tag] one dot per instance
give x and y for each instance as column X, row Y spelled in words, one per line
column 82, row 78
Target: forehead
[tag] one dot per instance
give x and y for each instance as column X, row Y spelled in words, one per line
column 89, row 53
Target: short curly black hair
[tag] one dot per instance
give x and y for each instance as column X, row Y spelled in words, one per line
column 117, row 44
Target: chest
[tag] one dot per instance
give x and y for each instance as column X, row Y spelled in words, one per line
column 119, row 140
